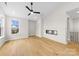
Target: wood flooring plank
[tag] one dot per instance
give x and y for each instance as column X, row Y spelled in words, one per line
column 35, row 46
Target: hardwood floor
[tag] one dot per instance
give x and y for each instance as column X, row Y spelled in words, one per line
column 34, row 46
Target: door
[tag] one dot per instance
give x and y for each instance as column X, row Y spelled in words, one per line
column 32, row 28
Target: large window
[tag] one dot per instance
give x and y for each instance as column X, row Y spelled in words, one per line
column 2, row 27
column 14, row 26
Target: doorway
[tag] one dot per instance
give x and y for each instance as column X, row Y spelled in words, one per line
column 32, row 28
column 73, row 30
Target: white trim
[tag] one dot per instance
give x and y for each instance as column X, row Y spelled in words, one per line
column 56, row 39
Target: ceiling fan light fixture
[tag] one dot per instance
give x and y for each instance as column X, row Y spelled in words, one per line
column 31, row 12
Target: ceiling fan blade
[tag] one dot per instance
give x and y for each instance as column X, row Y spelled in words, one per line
column 28, row 8
column 29, row 14
column 37, row 12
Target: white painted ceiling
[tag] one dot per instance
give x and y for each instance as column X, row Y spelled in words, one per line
column 17, row 9
column 74, row 13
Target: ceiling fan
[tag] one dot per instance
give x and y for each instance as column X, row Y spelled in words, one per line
column 31, row 10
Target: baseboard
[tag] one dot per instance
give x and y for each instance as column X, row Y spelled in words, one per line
column 2, row 42
column 56, row 40
column 17, row 39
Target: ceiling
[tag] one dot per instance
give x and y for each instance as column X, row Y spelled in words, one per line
column 17, row 9
column 74, row 13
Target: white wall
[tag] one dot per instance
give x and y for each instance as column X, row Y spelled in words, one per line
column 58, row 21
column 39, row 27
column 23, row 28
